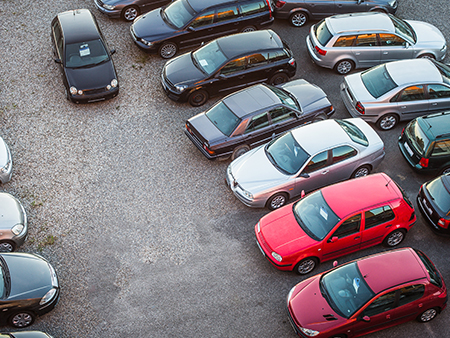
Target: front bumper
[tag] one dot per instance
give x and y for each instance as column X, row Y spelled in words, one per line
column 260, row 243
column 149, row 49
column 115, row 13
column 236, row 189
column 95, row 95
column 6, row 176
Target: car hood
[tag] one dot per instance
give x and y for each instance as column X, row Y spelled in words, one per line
column 305, row 93
column 30, row 276
column 11, row 212
column 206, row 129
column 182, row 70
column 4, row 153
column 91, row 77
column 151, row 26
column 357, row 88
column 427, row 34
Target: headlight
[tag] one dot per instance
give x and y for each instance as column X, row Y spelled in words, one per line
column 109, row 7
column 392, row 3
column 290, row 293
column 247, row 194
column 309, row 332
column 145, row 42
column 114, row 83
column 181, row 88
column 48, row 297
column 277, row 256
column 17, row 229
column 73, row 90
column 6, row 167
column 444, row 48
column 258, row 228
column 53, row 275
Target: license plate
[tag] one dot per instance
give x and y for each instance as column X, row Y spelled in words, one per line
column 262, row 251
column 408, row 149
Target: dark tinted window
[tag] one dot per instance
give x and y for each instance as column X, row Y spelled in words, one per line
column 378, row 81
column 223, row 118
column 323, row 35
column 317, row 162
column 345, row 41
column 178, row 13
column 391, row 40
column 381, row 304
column 410, row 293
column 277, row 55
column 418, row 138
column 349, row 227
column 441, row 148
column 204, row 19
column 257, row 59
column 234, row 66
column 366, row 40
column 227, row 13
column 258, row 122
column 281, row 114
column 437, row 91
column 58, row 38
column 253, row 7
column 412, row 93
column 342, row 153
column 85, row 54
column 378, row 216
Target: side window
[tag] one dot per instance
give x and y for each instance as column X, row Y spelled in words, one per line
column 257, row 59
column 391, row 40
column 345, row 41
column 438, row 91
column 252, row 7
column 366, row 40
column 227, row 13
column 381, row 304
column 281, row 114
column 58, row 38
column 378, row 216
column 258, row 122
column 343, row 153
column 234, row 66
column 204, row 19
column 349, row 227
column 277, row 55
column 412, row 93
column 317, row 162
column 441, row 148
column 410, row 293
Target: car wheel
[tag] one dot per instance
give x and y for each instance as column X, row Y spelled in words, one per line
column 277, row 201
column 248, row 29
column 387, row 122
column 344, row 67
column 427, row 315
column 21, row 319
column 306, row 265
column 168, row 50
column 198, row 98
column 445, row 171
column 239, row 151
column 7, row 246
column 130, row 13
column 427, row 56
column 298, row 19
column 363, row 170
column 394, row 238
column 278, row 78
column 320, row 117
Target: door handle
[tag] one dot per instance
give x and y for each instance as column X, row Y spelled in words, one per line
column 388, row 316
column 388, row 226
column 241, row 77
column 403, row 107
column 385, row 53
column 434, row 104
column 357, row 237
column 357, row 53
column 325, row 172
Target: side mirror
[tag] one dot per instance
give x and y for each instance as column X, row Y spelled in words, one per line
column 333, row 239
column 302, row 194
column 58, row 61
column 192, row 29
column 407, row 45
column 304, row 175
column 365, row 319
column 221, row 76
column 335, row 263
column 112, row 51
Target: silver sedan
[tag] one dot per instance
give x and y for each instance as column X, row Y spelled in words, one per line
column 13, row 223
column 5, row 162
column 307, row 158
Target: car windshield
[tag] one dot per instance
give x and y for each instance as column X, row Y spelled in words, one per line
column 378, row 81
column 435, row 277
column 3, row 278
column 223, row 118
column 403, row 29
column 444, row 70
column 354, row 132
column 345, row 289
column 439, row 190
column 314, row 216
column 322, row 32
column 286, row 154
column 209, row 58
column 285, row 97
column 417, row 137
column 178, row 13
column 85, row 54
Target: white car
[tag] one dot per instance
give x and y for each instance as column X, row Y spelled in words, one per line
column 5, row 162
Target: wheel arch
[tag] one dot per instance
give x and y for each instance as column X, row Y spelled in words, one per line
column 301, row 9
column 302, row 257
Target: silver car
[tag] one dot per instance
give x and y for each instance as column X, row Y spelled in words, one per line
column 5, row 162
column 304, row 159
column 397, row 91
column 363, row 40
column 13, row 223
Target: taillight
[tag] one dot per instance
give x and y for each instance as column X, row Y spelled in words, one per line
column 444, row 223
column 270, row 8
column 413, row 214
column 321, row 51
column 292, row 62
column 359, row 107
column 279, row 3
column 211, row 152
column 403, row 130
column 424, row 162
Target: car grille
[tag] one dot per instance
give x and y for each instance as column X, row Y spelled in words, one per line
column 94, row 91
column 167, row 81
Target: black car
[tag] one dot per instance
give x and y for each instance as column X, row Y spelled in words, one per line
column 128, row 10
column 298, row 12
column 87, row 68
column 189, row 23
column 256, row 115
column 425, row 143
column 30, row 288
column 434, row 203
column 25, row 334
column 228, row 63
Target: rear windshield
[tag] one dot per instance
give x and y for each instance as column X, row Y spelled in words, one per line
column 322, row 32
column 223, row 118
column 418, row 139
column 354, row 132
column 435, row 278
column 439, row 190
column 378, row 81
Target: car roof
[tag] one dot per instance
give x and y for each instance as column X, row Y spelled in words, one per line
column 78, row 25
column 436, row 125
column 250, row 100
column 385, row 270
column 200, row 5
column 354, row 22
column 424, row 71
column 350, row 196
column 246, row 43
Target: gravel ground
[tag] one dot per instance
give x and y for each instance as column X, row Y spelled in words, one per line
column 146, row 238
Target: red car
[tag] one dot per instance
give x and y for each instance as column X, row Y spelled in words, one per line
column 367, row 295
column 334, row 221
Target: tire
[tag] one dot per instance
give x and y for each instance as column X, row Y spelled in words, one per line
column 7, row 246
column 306, row 265
column 339, row 336
column 239, row 151
column 387, row 122
column 198, row 98
column 22, row 319
column 248, row 29
column 362, row 171
column 130, row 13
column 445, row 171
column 428, row 315
column 344, row 67
column 426, row 56
column 277, row 201
column 394, row 238
column 320, row 117
column 298, row 19
column 278, row 78
column 168, row 50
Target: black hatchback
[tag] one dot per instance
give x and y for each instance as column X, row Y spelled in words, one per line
column 228, row 63
column 81, row 51
column 189, row 23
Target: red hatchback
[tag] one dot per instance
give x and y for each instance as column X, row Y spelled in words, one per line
column 334, row 221
column 367, row 295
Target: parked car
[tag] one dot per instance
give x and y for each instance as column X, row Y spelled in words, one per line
column 127, row 10
column 5, row 162
column 362, row 40
column 85, row 61
column 189, row 23
column 335, row 221
column 304, row 159
column 30, row 288
column 389, row 93
column 425, row 143
column 13, row 223
column 298, row 12
column 254, row 116
column 434, row 203
column 368, row 295
column 25, row 334
column 228, row 63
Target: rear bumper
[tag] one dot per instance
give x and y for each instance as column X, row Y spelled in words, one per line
column 436, row 229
